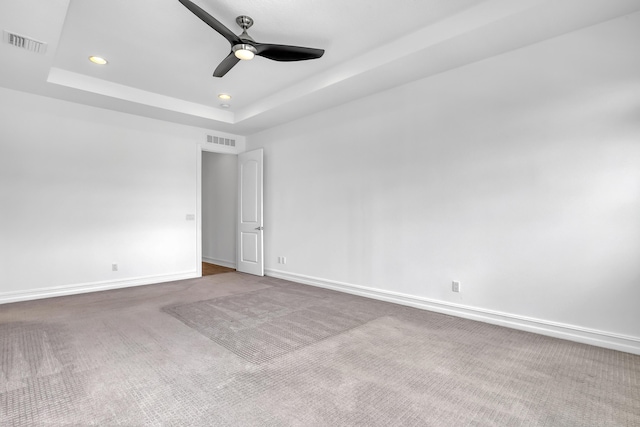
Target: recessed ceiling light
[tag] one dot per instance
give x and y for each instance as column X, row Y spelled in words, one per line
column 225, row 105
column 224, row 96
column 98, row 60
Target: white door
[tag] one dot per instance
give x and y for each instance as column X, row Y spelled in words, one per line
column 250, row 257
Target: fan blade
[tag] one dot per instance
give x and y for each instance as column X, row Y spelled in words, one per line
column 280, row 52
column 212, row 22
column 226, row 65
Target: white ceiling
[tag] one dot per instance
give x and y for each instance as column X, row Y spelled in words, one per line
column 161, row 56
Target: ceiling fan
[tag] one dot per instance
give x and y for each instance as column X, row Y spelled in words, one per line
column 244, row 47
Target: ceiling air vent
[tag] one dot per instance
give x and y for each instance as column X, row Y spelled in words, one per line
column 220, row 140
column 24, row 42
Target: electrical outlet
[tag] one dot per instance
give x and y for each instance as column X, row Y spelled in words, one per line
column 114, row 267
column 455, row 286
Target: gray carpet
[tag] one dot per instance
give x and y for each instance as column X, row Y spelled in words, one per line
column 238, row 350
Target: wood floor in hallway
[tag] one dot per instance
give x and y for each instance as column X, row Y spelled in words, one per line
column 211, row 269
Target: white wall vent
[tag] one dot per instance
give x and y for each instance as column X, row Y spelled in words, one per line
column 25, row 43
column 220, row 140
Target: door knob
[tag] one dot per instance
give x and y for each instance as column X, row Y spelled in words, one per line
column 259, row 228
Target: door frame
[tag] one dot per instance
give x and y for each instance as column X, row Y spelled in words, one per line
column 199, row 150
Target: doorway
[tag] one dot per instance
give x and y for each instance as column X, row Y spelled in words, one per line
column 219, row 205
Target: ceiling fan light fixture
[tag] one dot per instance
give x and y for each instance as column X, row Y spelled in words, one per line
column 245, row 52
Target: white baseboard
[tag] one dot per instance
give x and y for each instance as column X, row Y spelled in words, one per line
column 57, row 291
column 228, row 264
column 594, row 337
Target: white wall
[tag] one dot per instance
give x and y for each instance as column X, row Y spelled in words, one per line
column 219, row 208
column 518, row 176
column 82, row 188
